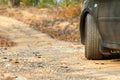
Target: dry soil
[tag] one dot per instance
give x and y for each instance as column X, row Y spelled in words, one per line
column 37, row 56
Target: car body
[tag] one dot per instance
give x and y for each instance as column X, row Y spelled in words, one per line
column 106, row 15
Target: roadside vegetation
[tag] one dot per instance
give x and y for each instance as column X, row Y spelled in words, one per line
column 39, row 3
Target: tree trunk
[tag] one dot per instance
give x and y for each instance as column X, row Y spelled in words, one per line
column 36, row 2
column 12, row 3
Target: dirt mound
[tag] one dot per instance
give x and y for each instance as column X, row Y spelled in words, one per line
column 61, row 22
column 61, row 29
column 58, row 22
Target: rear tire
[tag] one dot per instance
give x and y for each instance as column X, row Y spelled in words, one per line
column 92, row 41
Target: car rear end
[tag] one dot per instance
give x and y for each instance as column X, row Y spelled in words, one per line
column 109, row 23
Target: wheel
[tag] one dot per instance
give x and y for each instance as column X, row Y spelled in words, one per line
column 92, row 40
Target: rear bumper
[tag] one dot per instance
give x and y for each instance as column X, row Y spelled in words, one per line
column 109, row 28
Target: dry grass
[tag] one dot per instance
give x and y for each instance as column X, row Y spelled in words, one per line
column 4, row 42
column 50, row 23
column 70, row 11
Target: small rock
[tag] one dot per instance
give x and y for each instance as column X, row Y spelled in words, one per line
column 20, row 78
column 64, row 66
column 8, row 76
column 4, row 58
column 7, row 64
column 14, row 61
column 100, row 63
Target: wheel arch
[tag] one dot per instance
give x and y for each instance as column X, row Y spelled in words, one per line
column 82, row 23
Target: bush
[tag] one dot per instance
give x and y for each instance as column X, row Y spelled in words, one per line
column 3, row 2
column 43, row 3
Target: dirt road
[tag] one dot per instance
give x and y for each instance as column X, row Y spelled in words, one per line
column 36, row 56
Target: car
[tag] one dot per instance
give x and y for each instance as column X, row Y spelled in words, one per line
column 100, row 28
